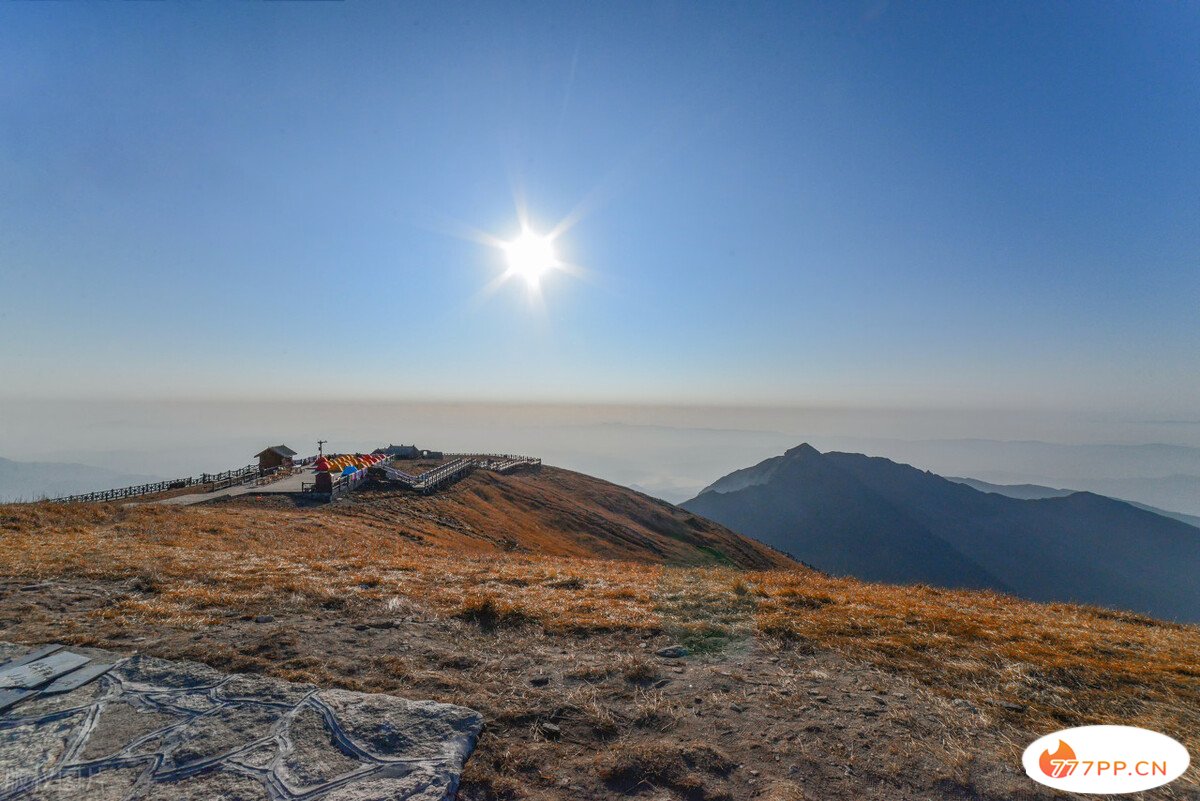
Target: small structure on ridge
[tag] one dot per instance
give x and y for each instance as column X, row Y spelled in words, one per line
column 274, row 457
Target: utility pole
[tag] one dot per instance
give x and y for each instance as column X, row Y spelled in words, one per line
column 321, row 447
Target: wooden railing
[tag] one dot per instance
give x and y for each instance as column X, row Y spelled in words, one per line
column 126, row 492
column 444, row 474
column 230, row 478
column 398, row 475
column 274, row 474
column 462, row 464
column 345, row 484
column 430, row 480
column 507, row 463
column 210, row 482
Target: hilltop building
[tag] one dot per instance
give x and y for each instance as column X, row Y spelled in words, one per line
column 399, row 451
column 274, row 457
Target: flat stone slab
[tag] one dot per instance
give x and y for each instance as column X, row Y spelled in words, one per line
column 153, row 729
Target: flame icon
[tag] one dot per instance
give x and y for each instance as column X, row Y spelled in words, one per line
column 1058, row 764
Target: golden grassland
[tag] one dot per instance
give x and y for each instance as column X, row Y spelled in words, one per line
column 553, row 511
column 1042, row 666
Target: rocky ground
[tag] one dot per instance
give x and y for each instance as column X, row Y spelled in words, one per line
column 602, row 716
column 150, row 728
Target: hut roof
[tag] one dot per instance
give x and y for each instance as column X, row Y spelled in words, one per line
column 281, row 450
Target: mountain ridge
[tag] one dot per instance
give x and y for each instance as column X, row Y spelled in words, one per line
column 875, row 519
column 1037, row 491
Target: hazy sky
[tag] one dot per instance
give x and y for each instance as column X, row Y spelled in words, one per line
column 669, row 451
column 929, row 204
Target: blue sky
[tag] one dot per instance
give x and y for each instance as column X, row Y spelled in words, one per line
column 972, row 205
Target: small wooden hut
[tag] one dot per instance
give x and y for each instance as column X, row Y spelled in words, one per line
column 274, row 457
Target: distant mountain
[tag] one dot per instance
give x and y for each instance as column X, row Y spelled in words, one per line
column 27, row 481
column 1029, row 492
column 1164, row 476
column 1024, row 492
column 1178, row 491
column 872, row 518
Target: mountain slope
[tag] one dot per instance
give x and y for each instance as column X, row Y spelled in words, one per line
column 23, row 481
column 852, row 530
column 548, row 512
column 1035, row 491
column 874, row 519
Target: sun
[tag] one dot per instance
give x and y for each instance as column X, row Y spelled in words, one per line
column 530, row 256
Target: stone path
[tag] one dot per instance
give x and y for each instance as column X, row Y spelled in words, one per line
column 152, row 730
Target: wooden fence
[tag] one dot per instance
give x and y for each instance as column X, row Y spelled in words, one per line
column 430, row 480
column 346, row 484
column 210, row 482
column 462, row 464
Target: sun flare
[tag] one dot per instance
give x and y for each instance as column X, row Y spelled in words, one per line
column 530, row 256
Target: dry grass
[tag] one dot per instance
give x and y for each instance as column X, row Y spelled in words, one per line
column 557, row 512
column 181, row 562
column 686, row 768
column 1058, row 664
column 1041, row 666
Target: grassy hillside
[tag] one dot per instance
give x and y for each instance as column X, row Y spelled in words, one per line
column 798, row 685
column 550, row 511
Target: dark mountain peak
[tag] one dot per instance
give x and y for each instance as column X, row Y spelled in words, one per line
column 879, row 520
